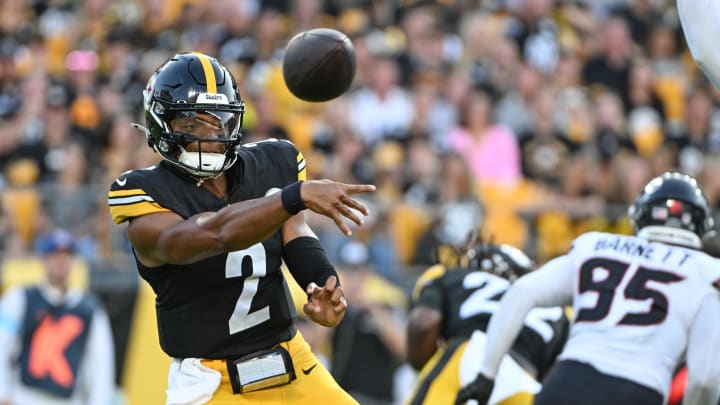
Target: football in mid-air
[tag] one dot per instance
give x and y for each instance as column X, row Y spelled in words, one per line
column 319, row 64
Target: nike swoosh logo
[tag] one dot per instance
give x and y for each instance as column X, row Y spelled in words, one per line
column 121, row 181
column 306, row 372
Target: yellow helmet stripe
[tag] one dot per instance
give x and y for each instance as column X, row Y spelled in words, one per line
column 209, row 72
column 431, row 274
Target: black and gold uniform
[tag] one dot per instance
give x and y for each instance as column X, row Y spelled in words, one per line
column 466, row 298
column 230, row 314
column 230, row 304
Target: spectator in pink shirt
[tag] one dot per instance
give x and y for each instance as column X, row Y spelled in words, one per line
column 491, row 150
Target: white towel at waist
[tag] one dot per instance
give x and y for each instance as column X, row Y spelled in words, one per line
column 190, row 382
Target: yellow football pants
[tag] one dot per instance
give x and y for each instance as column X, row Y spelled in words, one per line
column 314, row 383
column 439, row 380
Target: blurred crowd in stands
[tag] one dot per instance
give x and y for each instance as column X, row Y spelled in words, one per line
column 527, row 120
column 520, row 121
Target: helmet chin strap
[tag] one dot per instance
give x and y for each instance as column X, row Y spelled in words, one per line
column 671, row 235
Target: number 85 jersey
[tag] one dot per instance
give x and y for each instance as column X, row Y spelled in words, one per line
column 634, row 302
column 227, row 305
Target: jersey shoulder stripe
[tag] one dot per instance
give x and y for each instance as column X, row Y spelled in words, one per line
column 130, row 196
column 302, row 172
column 123, row 208
column 431, row 274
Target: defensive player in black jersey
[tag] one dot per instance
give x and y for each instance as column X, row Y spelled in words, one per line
column 451, row 310
column 210, row 226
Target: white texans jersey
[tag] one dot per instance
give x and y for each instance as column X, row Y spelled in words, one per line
column 633, row 304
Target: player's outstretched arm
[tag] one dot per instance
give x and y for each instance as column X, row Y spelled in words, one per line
column 699, row 22
column 165, row 237
column 423, row 335
column 550, row 285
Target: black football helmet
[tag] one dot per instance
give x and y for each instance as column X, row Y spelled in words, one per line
column 185, row 85
column 503, row 260
column 672, row 208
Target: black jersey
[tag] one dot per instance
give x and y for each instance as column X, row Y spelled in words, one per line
column 468, row 298
column 226, row 305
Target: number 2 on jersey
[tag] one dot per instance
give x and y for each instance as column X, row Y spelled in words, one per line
column 484, row 299
column 241, row 317
column 636, row 289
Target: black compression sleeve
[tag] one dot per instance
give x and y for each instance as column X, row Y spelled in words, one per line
column 307, row 261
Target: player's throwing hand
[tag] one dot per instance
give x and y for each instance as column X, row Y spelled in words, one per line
column 326, row 305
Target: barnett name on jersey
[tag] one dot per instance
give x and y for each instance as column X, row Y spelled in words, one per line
column 467, row 299
column 227, row 305
column 634, row 302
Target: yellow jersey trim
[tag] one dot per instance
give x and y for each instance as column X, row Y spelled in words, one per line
column 302, row 172
column 125, row 193
column 121, row 213
column 432, row 273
